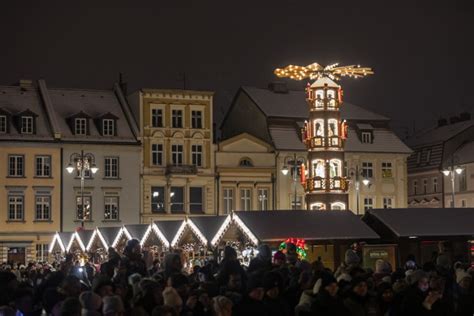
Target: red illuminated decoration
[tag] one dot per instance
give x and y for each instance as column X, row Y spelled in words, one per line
column 299, row 243
column 344, row 130
column 340, row 94
column 303, row 174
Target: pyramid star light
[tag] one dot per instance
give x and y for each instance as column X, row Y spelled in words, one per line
column 315, row 71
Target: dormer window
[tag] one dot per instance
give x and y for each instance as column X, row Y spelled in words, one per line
column 108, row 127
column 80, row 126
column 366, row 137
column 3, row 124
column 27, row 124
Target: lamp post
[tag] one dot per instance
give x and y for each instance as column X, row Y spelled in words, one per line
column 451, row 172
column 292, row 164
column 81, row 163
column 357, row 173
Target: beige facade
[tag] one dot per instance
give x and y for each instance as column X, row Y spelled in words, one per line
column 245, row 171
column 177, row 152
column 30, row 191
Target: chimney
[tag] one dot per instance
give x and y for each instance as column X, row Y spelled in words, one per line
column 25, row 84
column 278, row 87
column 442, row 122
column 454, row 120
column 464, row 116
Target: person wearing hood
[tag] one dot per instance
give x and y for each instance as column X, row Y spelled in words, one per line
column 358, row 302
column 263, row 261
column 327, row 301
column 419, row 300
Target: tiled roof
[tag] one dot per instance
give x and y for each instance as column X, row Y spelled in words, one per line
column 286, row 138
column 439, row 134
column 465, row 154
column 293, row 104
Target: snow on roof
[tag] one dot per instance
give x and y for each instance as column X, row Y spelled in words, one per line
column 293, row 105
column 439, row 134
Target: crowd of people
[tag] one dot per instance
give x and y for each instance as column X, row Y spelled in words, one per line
column 278, row 284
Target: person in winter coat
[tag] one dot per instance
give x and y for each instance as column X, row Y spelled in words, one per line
column 91, row 303
column 252, row 303
column 263, row 261
column 419, row 300
column 328, row 302
column 463, row 294
column 385, row 300
column 274, row 303
column 133, row 261
column 358, row 302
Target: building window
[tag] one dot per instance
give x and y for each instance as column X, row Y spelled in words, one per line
column 435, row 185
column 177, row 118
column 195, row 200
column 177, row 154
column 463, row 203
column 263, row 199
column 3, row 124
column 196, row 119
column 111, row 208
column 386, row 170
column 27, row 125
column 415, row 187
column 42, row 252
column 157, row 118
column 157, row 199
column 368, row 203
column 366, row 137
column 428, row 156
column 196, row 155
column 463, row 180
column 367, row 170
column 87, row 172
column 43, row 208
column 245, row 199
column 157, row 154
column 245, row 162
column 111, row 167
column 425, row 186
column 43, row 166
column 298, row 204
column 177, row 199
column 108, row 127
column 15, row 166
column 15, row 208
column 228, row 200
column 387, row 202
column 80, row 126
column 84, row 210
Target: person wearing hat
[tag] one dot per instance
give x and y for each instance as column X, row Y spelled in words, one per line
column 252, row 303
column 463, row 294
column 327, row 301
column 273, row 301
column 358, row 302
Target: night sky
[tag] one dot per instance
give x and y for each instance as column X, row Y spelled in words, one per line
column 422, row 51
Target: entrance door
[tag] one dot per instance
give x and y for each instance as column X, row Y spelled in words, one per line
column 17, row 255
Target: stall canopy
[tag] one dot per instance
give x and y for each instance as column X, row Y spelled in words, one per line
column 109, row 234
column 209, row 225
column 422, row 222
column 169, row 229
column 311, row 226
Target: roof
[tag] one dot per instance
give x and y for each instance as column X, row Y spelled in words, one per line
column 439, row 134
column 169, row 229
column 293, row 104
column 85, row 236
column 322, row 81
column 137, row 230
column 286, row 138
column 109, row 234
column 435, row 221
column 465, row 154
column 95, row 103
column 15, row 99
column 65, row 237
column 280, row 225
column 208, row 225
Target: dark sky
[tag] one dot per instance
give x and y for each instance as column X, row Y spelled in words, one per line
column 422, row 51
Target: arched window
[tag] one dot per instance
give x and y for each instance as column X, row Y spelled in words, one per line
column 318, row 206
column 318, row 128
column 338, row 206
column 245, row 162
column 335, row 168
column 319, row 168
column 331, row 95
column 319, row 102
column 332, row 127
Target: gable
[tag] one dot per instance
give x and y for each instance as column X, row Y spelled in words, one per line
column 244, row 144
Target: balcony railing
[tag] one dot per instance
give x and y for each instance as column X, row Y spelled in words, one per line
column 181, row 169
column 323, row 184
column 323, row 142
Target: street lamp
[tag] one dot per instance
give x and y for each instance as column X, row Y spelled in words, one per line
column 293, row 163
column 81, row 163
column 357, row 174
column 451, row 172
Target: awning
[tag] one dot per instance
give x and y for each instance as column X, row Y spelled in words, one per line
column 423, row 222
column 209, row 225
column 308, row 225
column 169, row 229
column 109, row 234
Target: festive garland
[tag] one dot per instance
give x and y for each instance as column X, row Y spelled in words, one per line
column 300, row 246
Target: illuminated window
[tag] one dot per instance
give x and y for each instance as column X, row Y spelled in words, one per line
column 335, row 168
column 338, row 206
column 43, row 207
column 368, row 203
column 386, row 169
column 245, row 199
column 111, row 208
column 319, row 168
column 387, row 202
column 177, row 199
column 263, row 199
column 228, row 200
column 157, row 199
column 318, row 206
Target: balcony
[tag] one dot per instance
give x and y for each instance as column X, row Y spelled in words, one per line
column 181, row 169
column 323, row 142
column 326, row 185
